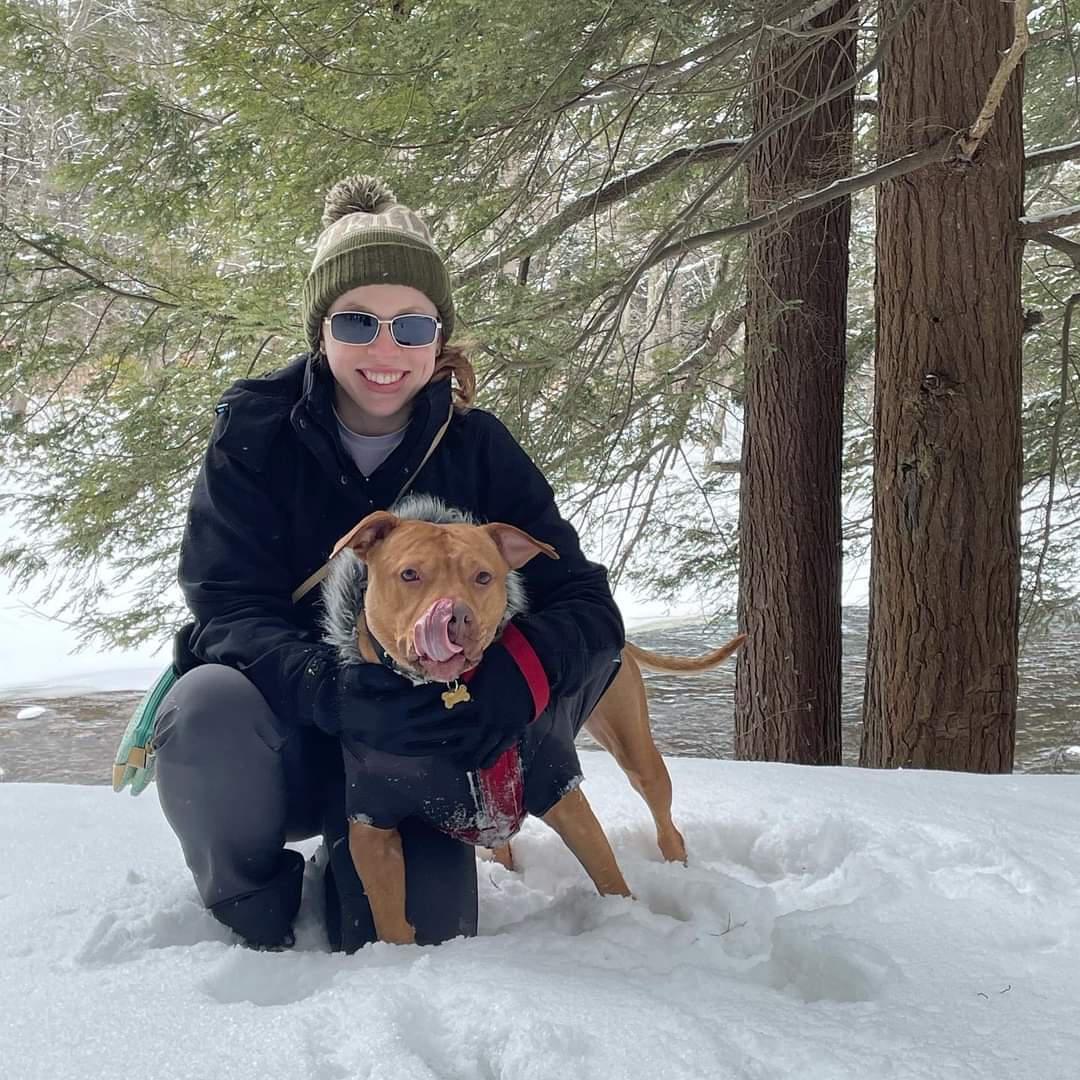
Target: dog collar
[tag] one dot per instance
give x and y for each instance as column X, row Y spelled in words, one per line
column 388, row 662
column 385, row 658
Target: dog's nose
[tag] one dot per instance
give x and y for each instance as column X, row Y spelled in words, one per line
column 461, row 621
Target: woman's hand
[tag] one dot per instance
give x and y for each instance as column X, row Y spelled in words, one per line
column 386, row 712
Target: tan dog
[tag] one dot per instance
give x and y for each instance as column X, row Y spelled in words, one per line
column 435, row 597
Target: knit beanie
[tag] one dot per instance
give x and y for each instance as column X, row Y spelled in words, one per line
column 368, row 238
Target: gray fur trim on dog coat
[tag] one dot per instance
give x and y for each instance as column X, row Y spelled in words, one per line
column 346, row 581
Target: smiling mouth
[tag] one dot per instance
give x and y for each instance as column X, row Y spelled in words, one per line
column 382, row 378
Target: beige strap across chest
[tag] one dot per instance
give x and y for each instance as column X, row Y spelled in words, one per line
column 319, row 574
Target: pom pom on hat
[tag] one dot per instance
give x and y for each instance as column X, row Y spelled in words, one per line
column 357, row 194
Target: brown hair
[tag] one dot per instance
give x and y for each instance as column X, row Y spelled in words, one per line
column 452, row 363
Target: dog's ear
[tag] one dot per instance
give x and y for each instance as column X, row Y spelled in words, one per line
column 363, row 536
column 517, row 547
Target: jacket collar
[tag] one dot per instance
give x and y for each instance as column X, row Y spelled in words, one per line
column 430, row 408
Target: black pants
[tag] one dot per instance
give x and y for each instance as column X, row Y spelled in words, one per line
column 236, row 783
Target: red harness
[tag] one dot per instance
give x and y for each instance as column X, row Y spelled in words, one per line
column 499, row 791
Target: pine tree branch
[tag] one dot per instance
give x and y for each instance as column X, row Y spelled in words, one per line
column 100, row 283
column 934, row 154
column 622, row 187
column 628, row 185
column 625, row 186
column 613, row 310
column 690, row 64
column 1031, row 228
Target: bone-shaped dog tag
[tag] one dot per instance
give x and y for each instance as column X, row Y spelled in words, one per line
column 456, row 694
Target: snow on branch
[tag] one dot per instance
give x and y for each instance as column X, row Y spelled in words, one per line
column 1051, row 155
column 1034, row 224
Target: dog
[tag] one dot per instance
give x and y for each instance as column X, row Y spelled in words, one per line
column 435, row 627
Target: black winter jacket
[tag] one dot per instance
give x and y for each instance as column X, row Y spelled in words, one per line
column 277, row 490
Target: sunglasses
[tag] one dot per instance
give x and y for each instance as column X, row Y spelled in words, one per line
column 362, row 328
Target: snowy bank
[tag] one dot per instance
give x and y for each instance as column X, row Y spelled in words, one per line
column 832, row 923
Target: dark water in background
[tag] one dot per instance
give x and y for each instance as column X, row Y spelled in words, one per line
column 73, row 741
column 693, row 714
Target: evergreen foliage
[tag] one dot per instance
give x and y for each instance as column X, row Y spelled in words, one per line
column 161, row 186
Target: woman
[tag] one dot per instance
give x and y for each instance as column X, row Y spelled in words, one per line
column 249, row 741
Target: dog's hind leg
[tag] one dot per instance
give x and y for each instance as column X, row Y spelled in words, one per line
column 620, row 724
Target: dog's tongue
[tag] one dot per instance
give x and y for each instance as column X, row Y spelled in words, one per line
column 431, row 635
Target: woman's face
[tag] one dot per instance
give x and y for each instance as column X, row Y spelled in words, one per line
column 377, row 382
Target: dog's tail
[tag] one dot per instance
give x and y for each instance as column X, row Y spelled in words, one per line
column 677, row 665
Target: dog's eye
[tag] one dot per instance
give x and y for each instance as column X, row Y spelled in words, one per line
column 409, row 574
column 483, row 578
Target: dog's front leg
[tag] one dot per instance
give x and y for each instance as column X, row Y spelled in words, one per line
column 380, row 863
column 572, row 818
column 504, row 856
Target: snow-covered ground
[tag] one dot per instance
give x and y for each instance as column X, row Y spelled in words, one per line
column 832, row 923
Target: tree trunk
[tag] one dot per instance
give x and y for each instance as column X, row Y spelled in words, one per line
column 941, row 664
column 787, row 690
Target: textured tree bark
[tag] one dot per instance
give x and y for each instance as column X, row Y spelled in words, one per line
column 787, row 689
column 941, row 671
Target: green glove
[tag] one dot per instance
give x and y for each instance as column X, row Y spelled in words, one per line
column 135, row 756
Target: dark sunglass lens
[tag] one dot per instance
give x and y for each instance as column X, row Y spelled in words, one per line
column 414, row 330
column 354, row 327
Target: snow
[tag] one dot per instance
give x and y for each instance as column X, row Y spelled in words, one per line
column 1032, row 221
column 832, row 923
column 39, row 658
column 38, row 649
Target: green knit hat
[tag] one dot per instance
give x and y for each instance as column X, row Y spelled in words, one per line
column 368, row 238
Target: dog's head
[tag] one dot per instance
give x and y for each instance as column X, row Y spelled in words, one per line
column 436, row 594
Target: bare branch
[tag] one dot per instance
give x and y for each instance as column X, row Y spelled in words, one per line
column 1033, row 225
column 1068, row 247
column 1055, row 437
column 1050, row 155
column 970, row 142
